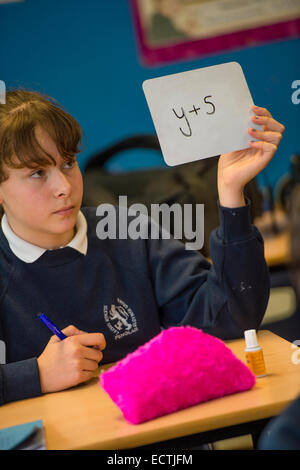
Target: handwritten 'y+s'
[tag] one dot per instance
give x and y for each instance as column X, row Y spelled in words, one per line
column 193, row 110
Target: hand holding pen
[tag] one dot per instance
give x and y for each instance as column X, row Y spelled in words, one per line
column 70, row 357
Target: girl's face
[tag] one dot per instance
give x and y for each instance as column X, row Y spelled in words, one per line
column 42, row 204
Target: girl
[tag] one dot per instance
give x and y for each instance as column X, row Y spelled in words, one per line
column 117, row 293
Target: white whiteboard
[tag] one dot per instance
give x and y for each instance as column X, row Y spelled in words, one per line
column 200, row 113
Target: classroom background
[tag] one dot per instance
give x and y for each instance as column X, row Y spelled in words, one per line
column 85, row 55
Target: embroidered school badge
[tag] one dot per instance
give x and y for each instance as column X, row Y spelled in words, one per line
column 120, row 319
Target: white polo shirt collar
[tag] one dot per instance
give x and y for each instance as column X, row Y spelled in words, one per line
column 29, row 253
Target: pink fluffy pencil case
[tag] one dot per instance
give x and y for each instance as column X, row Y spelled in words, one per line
column 178, row 368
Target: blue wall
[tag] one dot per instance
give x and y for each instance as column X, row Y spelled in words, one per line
column 83, row 53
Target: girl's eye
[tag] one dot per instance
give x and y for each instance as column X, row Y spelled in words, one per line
column 37, row 174
column 69, row 164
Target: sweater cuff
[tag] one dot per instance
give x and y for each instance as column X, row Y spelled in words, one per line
column 235, row 224
column 21, row 380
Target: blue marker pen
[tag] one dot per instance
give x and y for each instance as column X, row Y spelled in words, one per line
column 51, row 326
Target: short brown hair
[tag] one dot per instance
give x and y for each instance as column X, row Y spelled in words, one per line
column 23, row 111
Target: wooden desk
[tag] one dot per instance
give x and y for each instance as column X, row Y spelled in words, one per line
column 277, row 246
column 86, row 418
column 277, row 249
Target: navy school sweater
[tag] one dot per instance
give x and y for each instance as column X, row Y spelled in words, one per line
column 129, row 290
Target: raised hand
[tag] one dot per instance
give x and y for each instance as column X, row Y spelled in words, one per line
column 236, row 169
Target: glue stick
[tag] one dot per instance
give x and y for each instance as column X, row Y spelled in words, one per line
column 254, row 354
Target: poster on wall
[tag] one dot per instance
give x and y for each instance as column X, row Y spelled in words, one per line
column 174, row 30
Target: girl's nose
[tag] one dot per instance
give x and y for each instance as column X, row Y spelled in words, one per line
column 62, row 186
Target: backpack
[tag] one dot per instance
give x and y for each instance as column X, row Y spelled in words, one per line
column 190, row 183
